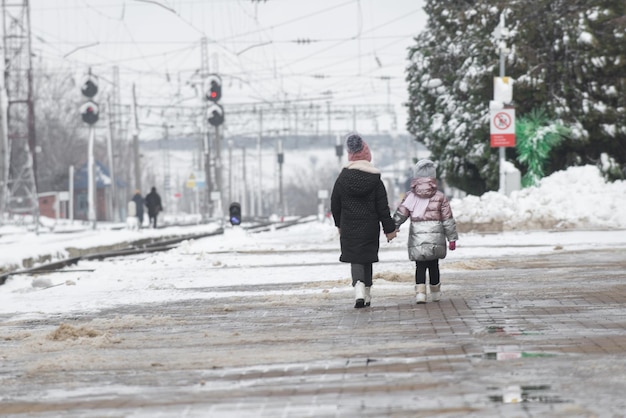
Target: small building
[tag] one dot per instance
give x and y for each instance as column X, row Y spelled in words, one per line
column 54, row 205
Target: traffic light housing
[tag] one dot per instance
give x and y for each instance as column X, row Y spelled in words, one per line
column 234, row 212
column 89, row 87
column 215, row 115
column 215, row 91
column 89, row 112
column 213, row 88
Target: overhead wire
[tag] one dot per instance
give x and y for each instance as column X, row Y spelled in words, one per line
column 274, row 67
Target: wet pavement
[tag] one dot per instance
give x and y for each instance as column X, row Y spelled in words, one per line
column 524, row 336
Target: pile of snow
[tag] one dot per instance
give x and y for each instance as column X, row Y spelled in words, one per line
column 577, row 198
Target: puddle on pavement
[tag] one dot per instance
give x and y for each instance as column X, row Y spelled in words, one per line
column 511, row 355
column 510, row 352
column 497, row 329
column 521, row 394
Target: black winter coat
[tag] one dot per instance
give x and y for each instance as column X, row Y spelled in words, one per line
column 139, row 202
column 153, row 202
column 359, row 205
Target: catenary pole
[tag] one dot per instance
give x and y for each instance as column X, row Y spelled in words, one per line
column 136, row 155
column 502, row 148
column 91, row 180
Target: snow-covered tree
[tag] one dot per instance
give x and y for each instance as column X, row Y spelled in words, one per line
column 567, row 57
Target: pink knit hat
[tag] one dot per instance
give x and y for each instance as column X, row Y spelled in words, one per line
column 357, row 148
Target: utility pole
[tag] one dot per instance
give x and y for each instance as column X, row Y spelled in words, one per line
column 218, row 171
column 339, row 150
column 136, row 156
column 328, row 117
column 230, row 170
column 281, row 159
column 260, row 176
column 116, row 144
column 246, row 199
column 19, row 163
column 4, row 142
column 91, row 192
column 167, row 187
column 206, row 136
column 111, row 203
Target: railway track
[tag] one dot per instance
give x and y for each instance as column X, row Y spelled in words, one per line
column 145, row 246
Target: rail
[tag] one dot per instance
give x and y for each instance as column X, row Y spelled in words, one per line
column 146, row 246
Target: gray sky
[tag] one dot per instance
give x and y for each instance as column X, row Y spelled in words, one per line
column 342, row 52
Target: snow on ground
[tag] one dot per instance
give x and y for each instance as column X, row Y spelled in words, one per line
column 576, row 198
column 19, row 243
column 577, row 208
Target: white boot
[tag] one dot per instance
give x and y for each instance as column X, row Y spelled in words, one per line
column 368, row 296
column 435, row 292
column 359, row 295
column 420, row 293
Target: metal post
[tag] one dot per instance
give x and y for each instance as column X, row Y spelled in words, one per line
column 208, row 178
column 71, row 188
column 136, row 155
column 230, row 170
column 281, row 200
column 339, row 150
column 91, row 181
column 260, row 191
column 4, row 145
column 328, row 132
column 502, row 149
column 219, row 184
column 111, row 199
column 167, row 189
column 246, row 201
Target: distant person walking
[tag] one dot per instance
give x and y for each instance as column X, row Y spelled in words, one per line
column 139, row 202
column 153, row 203
column 432, row 223
column 359, row 206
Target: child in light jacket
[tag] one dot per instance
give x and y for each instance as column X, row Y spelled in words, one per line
column 432, row 223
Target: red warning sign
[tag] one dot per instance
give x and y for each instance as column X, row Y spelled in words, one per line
column 502, row 127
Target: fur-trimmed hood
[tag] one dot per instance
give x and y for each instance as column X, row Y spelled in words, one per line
column 363, row 165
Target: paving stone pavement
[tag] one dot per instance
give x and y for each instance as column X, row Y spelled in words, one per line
column 525, row 336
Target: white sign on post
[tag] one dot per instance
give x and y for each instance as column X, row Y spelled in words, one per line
column 503, row 89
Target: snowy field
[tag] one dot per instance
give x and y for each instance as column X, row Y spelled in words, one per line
column 571, row 210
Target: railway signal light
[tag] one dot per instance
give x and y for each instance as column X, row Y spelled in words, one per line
column 89, row 112
column 213, row 88
column 215, row 115
column 89, row 87
column 234, row 212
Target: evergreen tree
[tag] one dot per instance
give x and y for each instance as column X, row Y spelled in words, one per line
column 571, row 60
column 567, row 57
column 451, row 67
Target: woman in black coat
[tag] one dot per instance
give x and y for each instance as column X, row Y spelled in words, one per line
column 153, row 202
column 359, row 206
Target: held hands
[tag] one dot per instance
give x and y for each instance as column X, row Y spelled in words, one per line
column 391, row 235
column 452, row 245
